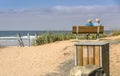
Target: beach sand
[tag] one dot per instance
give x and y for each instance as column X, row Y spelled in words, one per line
column 35, row 60
column 53, row 59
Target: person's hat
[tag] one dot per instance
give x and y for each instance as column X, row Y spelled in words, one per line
column 97, row 20
column 89, row 20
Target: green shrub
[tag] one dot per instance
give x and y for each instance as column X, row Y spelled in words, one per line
column 52, row 37
column 115, row 33
column 103, row 35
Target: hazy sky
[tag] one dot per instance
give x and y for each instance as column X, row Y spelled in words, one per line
column 57, row 14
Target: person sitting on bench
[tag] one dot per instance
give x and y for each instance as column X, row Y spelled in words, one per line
column 97, row 23
column 89, row 23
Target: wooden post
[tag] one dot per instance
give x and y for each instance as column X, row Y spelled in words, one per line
column 97, row 55
column 87, row 36
column 105, row 59
column 85, row 55
column 75, row 31
column 28, row 38
column 98, row 30
column 91, row 54
column 36, row 36
column 79, row 55
column 20, row 40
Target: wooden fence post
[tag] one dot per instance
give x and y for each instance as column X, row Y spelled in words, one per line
column 20, row 40
column 36, row 36
column 28, row 38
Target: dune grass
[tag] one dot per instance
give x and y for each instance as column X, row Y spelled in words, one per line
column 52, row 37
column 115, row 33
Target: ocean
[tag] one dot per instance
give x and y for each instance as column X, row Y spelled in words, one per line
column 9, row 38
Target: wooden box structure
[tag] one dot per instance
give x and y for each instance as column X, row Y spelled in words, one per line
column 96, row 53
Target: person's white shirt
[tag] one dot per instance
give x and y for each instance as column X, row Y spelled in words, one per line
column 97, row 24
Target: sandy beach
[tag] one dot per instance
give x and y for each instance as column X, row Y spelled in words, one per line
column 53, row 59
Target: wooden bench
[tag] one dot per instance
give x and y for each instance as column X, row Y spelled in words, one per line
column 88, row 30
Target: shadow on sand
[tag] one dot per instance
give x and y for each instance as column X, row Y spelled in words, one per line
column 2, row 47
column 64, row 69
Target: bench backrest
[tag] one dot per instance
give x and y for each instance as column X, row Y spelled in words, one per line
column 74, row 30
column 87, row 29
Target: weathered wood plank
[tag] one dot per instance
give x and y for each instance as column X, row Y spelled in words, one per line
column 89, row 29
column 74, row 29
column 85, row 55
column 20, row 40
column 105, row 57
column 90, row 48
column 97, row 55
column 80, row 55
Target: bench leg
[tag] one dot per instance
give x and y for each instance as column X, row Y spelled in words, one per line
column 97, row 36
column 88, row 36
column 76, row 36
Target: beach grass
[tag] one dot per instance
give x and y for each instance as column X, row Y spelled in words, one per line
column 115, row 33
column 52, row 37
column 91, row 36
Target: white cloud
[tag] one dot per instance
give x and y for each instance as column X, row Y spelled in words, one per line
column 58, row 17
column 86, row 9
column 69, row 10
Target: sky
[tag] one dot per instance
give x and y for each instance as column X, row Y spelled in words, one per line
column 57, row 14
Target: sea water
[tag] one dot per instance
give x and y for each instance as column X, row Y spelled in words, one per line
column 9, row 38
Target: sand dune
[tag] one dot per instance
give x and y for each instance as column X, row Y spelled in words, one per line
column 34, row 61
column 45, row 59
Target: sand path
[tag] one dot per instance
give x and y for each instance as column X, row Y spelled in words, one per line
column 34, row 61
column 45, row 59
